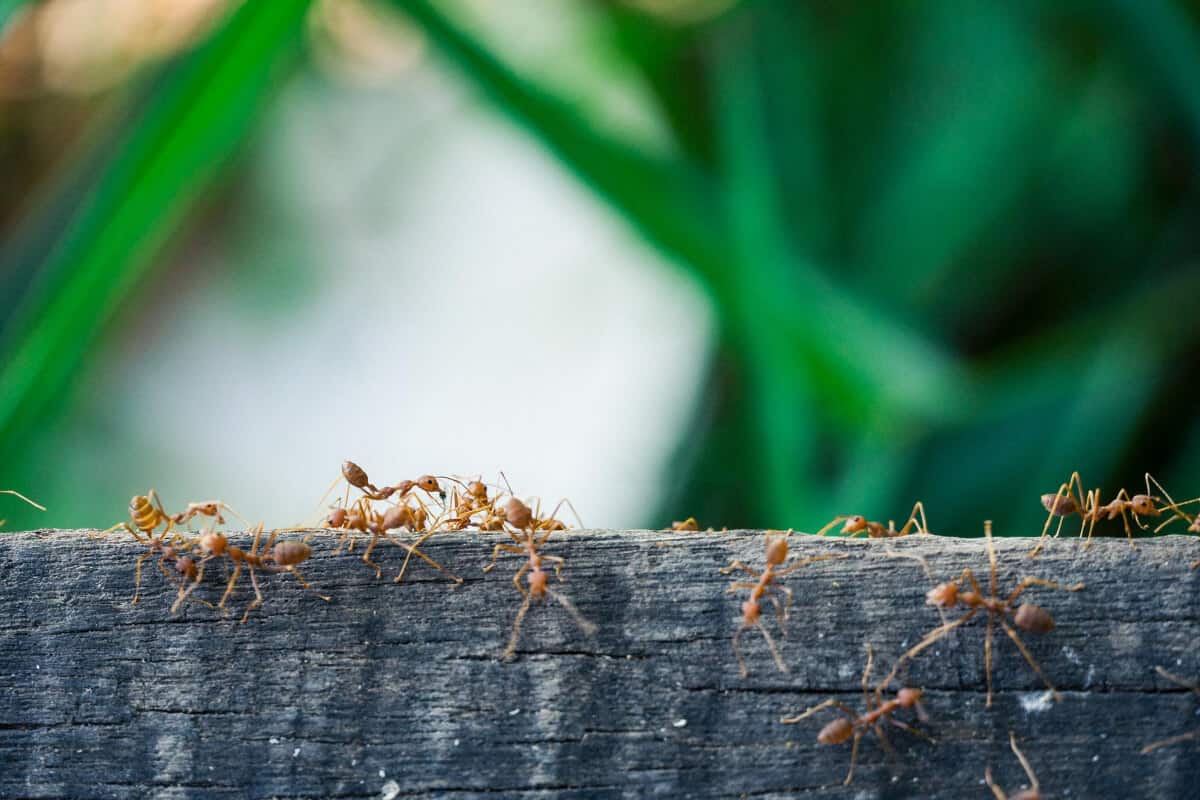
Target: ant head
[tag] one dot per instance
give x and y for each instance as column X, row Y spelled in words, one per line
column 855, row 523
column 1143, row 505
column 355, row 475
column 517, row 513
column 908, row 698
column 336, row 518
column 777, row 551
column 836, row 732
column 1033, row 619
column 287, row 554
column 944, row 595
column 209, row 509
column 214, row 542
column 431, row 485
column 751, row 611
column 478, row 489
column 537, row 582
column 1060, row 505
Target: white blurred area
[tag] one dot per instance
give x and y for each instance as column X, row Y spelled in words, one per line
column 452, row 301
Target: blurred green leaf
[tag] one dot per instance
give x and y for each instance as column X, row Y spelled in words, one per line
column 195, row 118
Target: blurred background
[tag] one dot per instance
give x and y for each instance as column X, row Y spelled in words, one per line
column 758, row 263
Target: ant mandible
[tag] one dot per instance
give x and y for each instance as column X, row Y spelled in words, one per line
column 1034, row 790
column 518, row 514
column 857, row 523
column 853, row 724
column 776, row 553
column 1027, row 616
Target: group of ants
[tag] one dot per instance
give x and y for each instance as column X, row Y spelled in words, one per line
column 431, row 504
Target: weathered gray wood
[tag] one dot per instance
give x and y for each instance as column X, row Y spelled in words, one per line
column 402, row 683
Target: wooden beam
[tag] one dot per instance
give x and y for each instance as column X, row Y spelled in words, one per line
column 399, row 688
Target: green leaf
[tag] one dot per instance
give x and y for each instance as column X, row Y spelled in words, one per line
column 197, row 113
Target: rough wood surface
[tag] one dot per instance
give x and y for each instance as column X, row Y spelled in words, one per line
column 402, row 683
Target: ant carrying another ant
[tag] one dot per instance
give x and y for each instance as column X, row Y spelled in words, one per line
column 853, row 724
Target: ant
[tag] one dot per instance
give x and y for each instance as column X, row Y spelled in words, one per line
column 1027, row 616
column 518, row 514
column 857, row 523
column 1183, row 737
column 1034, row 790
column 146, row 512
column 274, row 557
column 776, row 554
column 688, row 524
column 176, row 550
column 878, row 710
column 210, row 508
column 1065, row 502
column 15, row 493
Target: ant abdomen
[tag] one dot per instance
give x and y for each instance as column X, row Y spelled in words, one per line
column 836, row 732
column 288, row 554
column 1034, row 619
column 1060, row 505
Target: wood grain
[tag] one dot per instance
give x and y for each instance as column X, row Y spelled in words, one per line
column 99, row 698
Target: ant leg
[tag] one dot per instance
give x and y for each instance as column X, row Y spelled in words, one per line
column 737, row 652
column 258, row 598
column 787, row 605
column 1183, row 737
column 904, row 726
column 15, row 493
column 987, row 533
column 1027, row 582
column 516, row 630
column 589, row 628
column 237, row 569
column 558, row 565
column 1033, row 781
column 736, row 565
column 831, row 703
column 936, row 634
column 1186, row 684
column 120, row 526
column 736, row 585
column 996, row 790
column 987, row 656
column 866, row 678
column 884, row 741
column 830, row 524
column 183, row 595
column 858, row 734
column 508, row 548
column 771, row 644
column 366, row 556
column 779, row 613
column 922, row 525
column 804, row 562
column 413, row 549
column 306, row 584
column 1012, row 634
column 137, row 576
column 517, row 579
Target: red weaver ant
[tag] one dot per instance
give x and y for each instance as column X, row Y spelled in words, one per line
column 852, row 724
column 857, row 523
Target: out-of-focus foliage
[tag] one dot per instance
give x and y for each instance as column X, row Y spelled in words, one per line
column 952, row 245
